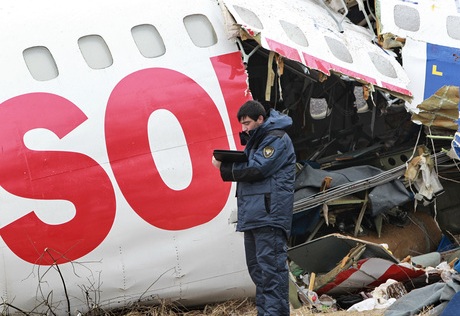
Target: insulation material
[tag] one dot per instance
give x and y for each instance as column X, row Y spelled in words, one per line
column 441, row 109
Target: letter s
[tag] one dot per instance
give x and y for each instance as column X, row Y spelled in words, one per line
column 50, row 175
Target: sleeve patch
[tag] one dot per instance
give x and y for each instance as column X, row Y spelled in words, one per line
column 268, row 151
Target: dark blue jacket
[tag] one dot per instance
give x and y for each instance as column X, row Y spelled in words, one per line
column 265, row 188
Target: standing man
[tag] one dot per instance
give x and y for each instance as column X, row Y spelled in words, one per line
column 265, row 195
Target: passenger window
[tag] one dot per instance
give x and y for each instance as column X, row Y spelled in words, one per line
column 339, row 50
column 294, row 33
column 406, row 18
column 95, row 51
column 148, row 41
column 200, row 30
column 453, row 27
column 41, row 63
column 249, row 17
column 383, row 65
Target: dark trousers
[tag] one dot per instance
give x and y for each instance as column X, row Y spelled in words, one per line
column 266, row 254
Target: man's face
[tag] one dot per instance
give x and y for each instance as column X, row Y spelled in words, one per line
column 248, row 124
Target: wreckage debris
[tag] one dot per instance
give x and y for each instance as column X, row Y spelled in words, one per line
column 369, row 277
column 364, row 226
column 372, row 265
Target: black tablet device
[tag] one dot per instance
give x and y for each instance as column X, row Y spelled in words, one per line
column 230, row 155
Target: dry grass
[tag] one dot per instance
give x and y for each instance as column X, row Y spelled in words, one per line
column 230, row 308
column 244, row 307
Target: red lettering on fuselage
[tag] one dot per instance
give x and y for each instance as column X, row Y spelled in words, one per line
column 75, row 177
column 50, row 175
column 233, row 82
column 130, row 105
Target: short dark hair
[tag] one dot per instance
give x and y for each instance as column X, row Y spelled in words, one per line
column 252, row 109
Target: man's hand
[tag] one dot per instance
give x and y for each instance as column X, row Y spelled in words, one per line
column 216, row 162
